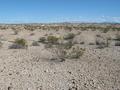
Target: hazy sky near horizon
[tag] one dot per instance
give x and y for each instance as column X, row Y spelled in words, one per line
column 31, row 11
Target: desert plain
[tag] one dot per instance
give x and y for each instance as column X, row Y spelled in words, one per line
column 60, row 56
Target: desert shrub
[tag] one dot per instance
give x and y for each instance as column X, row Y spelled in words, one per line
column 75, row 53
column 69, row 36
column 42, row 39
column 52, row 39
column 35, row 43
column 59, row 52
column 19, row 44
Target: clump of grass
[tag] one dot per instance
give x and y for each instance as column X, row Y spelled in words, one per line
column 19, row 44
column 69, row 36
column 52, row 39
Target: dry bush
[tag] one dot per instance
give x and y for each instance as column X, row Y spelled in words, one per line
column 75, row 53
column 61, row 53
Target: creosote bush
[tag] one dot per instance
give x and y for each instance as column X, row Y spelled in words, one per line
column 19, row 44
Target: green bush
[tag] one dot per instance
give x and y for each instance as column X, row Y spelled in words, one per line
column 19, row 44
column 22, row 42
column 52, row 39
column 69, row 36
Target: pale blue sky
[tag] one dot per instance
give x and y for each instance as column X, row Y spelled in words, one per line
column 38, row 11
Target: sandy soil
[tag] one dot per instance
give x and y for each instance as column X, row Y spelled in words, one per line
column 32, row 68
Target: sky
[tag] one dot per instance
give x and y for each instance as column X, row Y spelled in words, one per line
column 45, row 11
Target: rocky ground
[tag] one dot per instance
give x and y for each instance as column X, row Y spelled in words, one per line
column 35, row 68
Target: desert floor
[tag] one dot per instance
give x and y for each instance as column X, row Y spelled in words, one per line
column 33, row 68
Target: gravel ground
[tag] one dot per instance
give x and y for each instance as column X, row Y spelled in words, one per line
column 26, row 70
